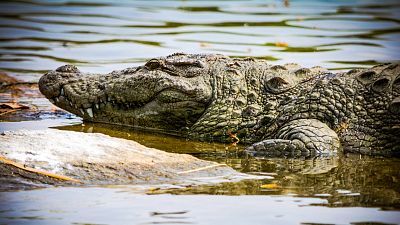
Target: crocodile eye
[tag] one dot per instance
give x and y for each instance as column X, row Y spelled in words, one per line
column 277, row 85
column 152, row 64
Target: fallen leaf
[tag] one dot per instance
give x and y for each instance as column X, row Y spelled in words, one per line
column 342, row 127
column 204, row 45
column 7, row 79
column 281, row 44
column 154, row 189
column 6, row 111
column 234, row 138
column 53, row 108
column 40, row 172
column 270, row 186
column 12, row 105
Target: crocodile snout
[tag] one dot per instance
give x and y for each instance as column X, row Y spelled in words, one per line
column 68, row 69
column 51, row 83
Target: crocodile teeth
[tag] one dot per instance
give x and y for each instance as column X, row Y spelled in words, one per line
column 90, row 112
column 62, row 91
column 70, row 103
column 97, row 106
column 89, row 130
column 83, row 113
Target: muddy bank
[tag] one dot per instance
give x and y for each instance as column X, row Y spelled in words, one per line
column 94, row 159
column 22, row 101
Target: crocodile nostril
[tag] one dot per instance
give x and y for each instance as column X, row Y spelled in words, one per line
column 380, row 85
column 153, row 64
column 277, row 85
column 366, row 76
column 68, row 69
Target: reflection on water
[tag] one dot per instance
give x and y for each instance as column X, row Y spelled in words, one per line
column 121, row 206
column 348, row 180
column 101, row 36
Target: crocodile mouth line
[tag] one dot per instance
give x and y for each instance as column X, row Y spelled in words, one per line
column 88, row 108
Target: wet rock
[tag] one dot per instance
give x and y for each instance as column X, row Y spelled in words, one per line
column 99, row 159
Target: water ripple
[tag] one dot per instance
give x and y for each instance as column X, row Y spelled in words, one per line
column 101, row 36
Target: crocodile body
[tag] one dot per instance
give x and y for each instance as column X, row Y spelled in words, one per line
column 277, row 110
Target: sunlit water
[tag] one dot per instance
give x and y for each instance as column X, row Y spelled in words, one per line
column 101, row 36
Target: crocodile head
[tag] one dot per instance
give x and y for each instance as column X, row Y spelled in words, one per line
column 168, row 93
column 203, row 96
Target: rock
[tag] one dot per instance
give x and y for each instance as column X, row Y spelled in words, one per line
column 93, row 158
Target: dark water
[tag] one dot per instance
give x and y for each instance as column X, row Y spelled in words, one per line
column 101, row 36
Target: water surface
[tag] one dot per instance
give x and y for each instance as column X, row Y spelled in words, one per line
column 104, row 35
column 123, row 206
column 101, row 36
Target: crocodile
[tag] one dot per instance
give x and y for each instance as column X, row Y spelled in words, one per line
column 275, row 110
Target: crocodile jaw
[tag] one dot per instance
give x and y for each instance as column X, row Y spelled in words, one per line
column 138, row 98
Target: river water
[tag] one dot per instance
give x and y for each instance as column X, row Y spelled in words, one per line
column 101, row 36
